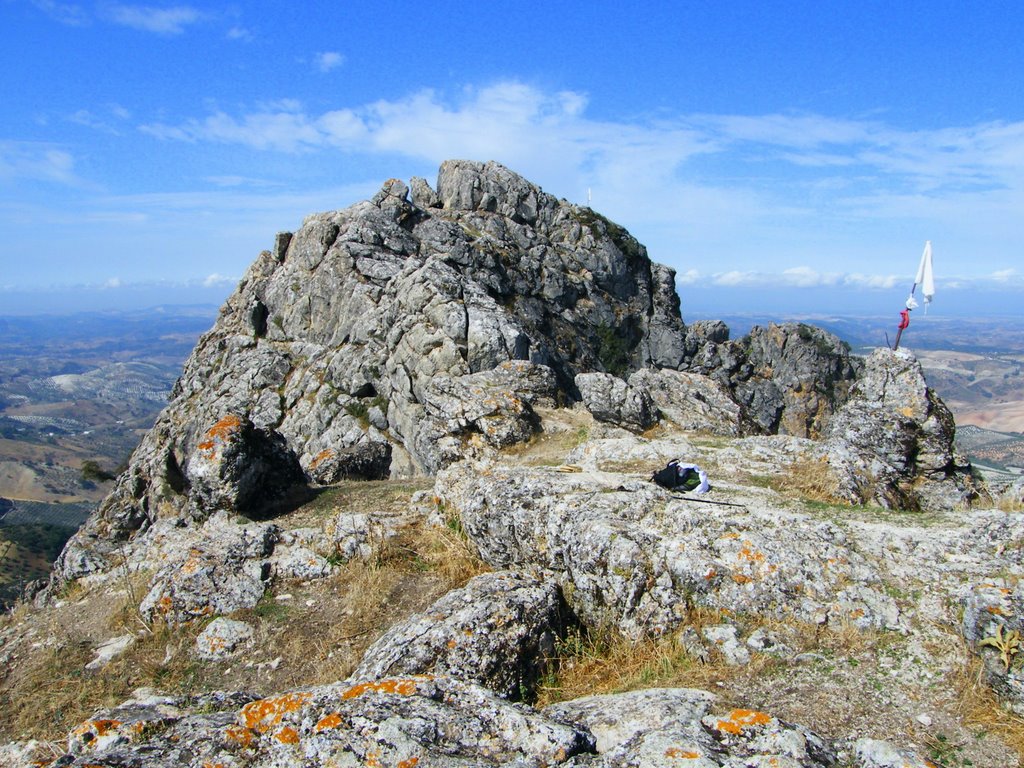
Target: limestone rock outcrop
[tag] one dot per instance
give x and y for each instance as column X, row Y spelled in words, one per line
column 636, row 556
column 344, row 348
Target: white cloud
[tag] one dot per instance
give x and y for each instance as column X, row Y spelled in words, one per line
column 1004, row 275
column 849, row 199
column 216, row 280
column 328, row 60
column 38, row 162
column 885, row 282
column 113, row 283
column 689, row 277
column 164, row 21
column 65, row 13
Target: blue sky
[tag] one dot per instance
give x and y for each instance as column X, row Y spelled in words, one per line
column 776, row 154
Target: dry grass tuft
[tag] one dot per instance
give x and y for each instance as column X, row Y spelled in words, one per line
column 54, row 692
column 603, row 661
column 1010, row 504
column 810, row 479
column 980, row 707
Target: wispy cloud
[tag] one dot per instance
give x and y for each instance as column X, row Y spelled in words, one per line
column 36, row 161
column 328, row 60
column 216, row 280
column 240, row 33
column 65, row 13
column 164, row 21
column 112, row 121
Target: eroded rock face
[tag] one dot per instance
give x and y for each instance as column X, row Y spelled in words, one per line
column 789, row 378
column 351, row 348
column 892, row 443
column 499, row 630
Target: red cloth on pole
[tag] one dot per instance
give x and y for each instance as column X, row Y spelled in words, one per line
column 904, row 319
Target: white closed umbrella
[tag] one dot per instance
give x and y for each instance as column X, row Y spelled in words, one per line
column 925, row 276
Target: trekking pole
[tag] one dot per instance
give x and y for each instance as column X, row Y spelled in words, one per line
column 709, row 501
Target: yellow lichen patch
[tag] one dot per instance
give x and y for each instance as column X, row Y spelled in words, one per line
column 239, row 735
column 857, row 613
column 332, row 720
column 320, row 458
column 410, row 763
column 907, row 411
column 681, row 754
column 287, row 735
column 373, row 759
column 730, row 535
column 738, row 719
column 401, row 687
column 995, row 610
column 739, row 578
column 263, row 714
column 213, row 765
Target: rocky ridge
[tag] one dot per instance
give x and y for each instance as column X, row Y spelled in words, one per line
column 453, row 333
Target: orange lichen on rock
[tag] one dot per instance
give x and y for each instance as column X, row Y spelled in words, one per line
column 332, row 720
column 401, row 687
column 749, row 554
column 263, row 714
column 287, row 735
column 218, row 433
column 684, row 754
column 91, row 729
column 239, row 735
column 320, row 458
column 739, row 578
column 738, row 719
column 410, row 763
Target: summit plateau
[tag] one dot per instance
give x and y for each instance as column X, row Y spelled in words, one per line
column 398, row 512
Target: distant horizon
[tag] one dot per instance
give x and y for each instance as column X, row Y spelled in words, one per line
column 697, row 301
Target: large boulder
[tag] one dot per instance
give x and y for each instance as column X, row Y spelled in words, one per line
column 610, row 399
column 893, row 443
column 691, row 401
column 499, row 630
column 217, row 568
column 993, row 625
column 240, row 468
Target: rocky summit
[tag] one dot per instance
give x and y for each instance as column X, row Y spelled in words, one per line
column 399, row 512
